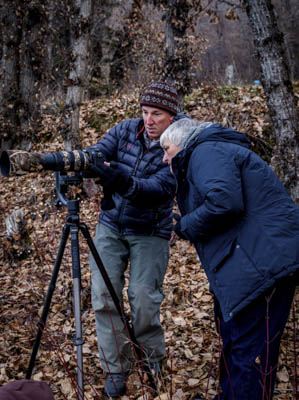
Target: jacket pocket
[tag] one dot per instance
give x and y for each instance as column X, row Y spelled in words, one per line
column 214, row 252
column 235, row 278
column 220, row 257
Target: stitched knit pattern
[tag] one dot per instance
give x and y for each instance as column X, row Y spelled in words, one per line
column 161, row 95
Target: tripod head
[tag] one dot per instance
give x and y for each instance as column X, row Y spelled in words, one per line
column 63, row 183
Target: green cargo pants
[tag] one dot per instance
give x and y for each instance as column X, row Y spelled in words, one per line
column 148, row 259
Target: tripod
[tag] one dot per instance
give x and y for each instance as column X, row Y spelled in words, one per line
column 72, row 227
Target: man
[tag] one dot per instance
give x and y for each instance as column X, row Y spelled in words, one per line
column 245, row 229
column 135, row 227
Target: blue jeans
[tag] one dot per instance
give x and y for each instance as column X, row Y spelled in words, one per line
column 148, row 259
column 251, row 343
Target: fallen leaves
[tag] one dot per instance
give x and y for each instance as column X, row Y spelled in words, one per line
column 187, row 311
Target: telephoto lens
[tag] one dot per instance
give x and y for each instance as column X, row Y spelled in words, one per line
column 19, row 162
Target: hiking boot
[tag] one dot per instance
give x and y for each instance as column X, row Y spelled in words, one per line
column 115, row 385
column 156, row 367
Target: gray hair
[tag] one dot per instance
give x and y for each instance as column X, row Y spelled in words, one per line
column 179, row 131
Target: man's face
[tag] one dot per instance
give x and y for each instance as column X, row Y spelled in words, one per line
column 170, row 150
column 155, row 121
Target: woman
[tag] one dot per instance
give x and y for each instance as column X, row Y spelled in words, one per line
column 245, row 229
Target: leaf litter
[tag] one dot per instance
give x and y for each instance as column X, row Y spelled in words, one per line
column 191, row 364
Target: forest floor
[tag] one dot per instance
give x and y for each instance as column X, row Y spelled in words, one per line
column 27, row 259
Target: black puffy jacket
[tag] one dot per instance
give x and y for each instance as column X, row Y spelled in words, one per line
column 146, row 209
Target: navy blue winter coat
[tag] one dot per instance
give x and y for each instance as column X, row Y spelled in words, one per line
column 239, row 216
column 147, row 207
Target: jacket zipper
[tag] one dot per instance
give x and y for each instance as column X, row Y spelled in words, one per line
column 124, row 201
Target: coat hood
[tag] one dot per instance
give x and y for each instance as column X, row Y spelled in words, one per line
column 206, row 132
column 218, row 133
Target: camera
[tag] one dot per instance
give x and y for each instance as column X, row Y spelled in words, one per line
column 19, row 162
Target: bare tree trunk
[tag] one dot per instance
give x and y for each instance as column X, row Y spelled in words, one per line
column 77, row 80
column 278, row 90
column 9, row 68
column 21, row 71
column 291, row 31
column 177, row 63
column 31, row 70
column 169, row 31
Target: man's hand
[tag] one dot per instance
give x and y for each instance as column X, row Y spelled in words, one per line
column 113, row 177
column 93, row 171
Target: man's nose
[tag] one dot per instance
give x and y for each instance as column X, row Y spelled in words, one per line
column 149, row 119
column 165, row 159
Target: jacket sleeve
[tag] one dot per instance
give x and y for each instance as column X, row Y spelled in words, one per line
column 108, row 145
column 215, row 182
column 154, row 190
column 148, row 192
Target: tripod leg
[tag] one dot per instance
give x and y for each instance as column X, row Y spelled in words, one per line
column 42, row 322
column 77, row 307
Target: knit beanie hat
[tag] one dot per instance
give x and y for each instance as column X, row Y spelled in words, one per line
column 161, row 95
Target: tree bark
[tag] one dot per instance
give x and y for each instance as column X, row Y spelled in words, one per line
column 77, row 80
column 9, row 92
column 32, row 52
column 177, row 60
column 21, row 69
column 278, row 89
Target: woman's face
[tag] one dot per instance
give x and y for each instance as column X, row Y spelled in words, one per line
column 170, row 150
